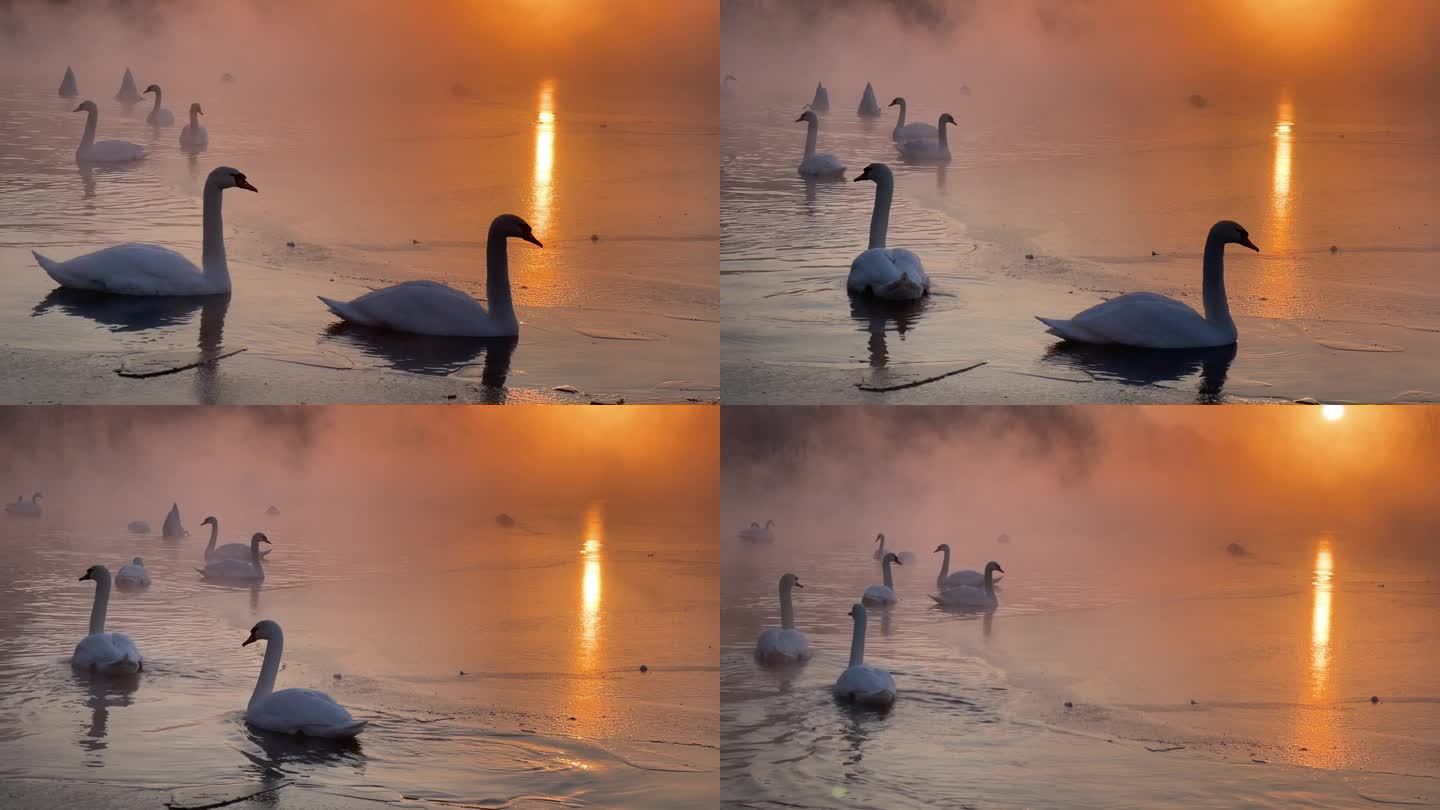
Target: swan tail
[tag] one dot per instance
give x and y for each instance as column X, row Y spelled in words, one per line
column 1061, row 328
column 935, row 598
column 49, row 265
column 344, row 310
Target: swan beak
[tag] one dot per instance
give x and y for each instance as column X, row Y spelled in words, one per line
column 893, row 103
column 78, row 109
column 245, row 184
column 266, row 541
column 998, row 568
column 801, row 118
column 84, row 576
column 1245, row 240
column 250, row 640
column 530, row 237
column 798, row 585
column 865, row 175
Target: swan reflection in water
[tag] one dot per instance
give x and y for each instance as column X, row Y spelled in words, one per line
column 874, row 316
column 101, row 694
column 1131, row 366
column 127, row 313
column 428, row 354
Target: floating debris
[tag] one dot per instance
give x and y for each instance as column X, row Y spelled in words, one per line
column 337, row 676
column 1374, row 699
column 594, row 237
column 1029, row 256
column 1334, row 248
column 290, row 244
column 505, row 520
column 1198, row 101
column 644, row 668
column 1069, row 705
column 1236, row 550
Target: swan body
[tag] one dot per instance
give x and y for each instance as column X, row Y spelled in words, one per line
column 821, row 102
column 68, row 86
column 173, row 528
column 909, row 132
column 102, row 652
column 90, row 151
column 136, row 269
column 159, row 116
column 138, row 527
column 883, row 595
column 432, row 308
column 725, row 88
column 133, row 575
column 232, row 570
column 863, row 683
column 759, row 534
column 955, row 579
column 784, row 644
column 228, row 551
column 893, row 274
column 1150, row 321
column 869, row 106
column 904, row 556
column 929, row 150
column 815, row 164
column 193, row 134
column 971, row 596
column 30, row 508
column 128, row 93
column 307, row 712
column 272, row 510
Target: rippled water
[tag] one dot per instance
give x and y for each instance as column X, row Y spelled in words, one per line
column 1280, row 656
column 358, row 193
column 1103, row 206
column 495, row 668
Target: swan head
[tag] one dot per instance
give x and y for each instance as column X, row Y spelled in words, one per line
column 993, row 566
column 947, row 118
column 209, row 521
column 87, row 106
column 138, row 561
column 224, row 177
column 263, row 629
column 99, row 573
column 790, row 581
column 154, row 88
column 898, row 100
column 37, row 496
column 880, row 538
column 730, row 77
column 513, row 227
column 259, row 537
column 1233, row 233
column 875, row 172
column 808, row 115
column 858, row 611
column 195, row 108
column 769, row 524
column 891, row 558
column 941, row 547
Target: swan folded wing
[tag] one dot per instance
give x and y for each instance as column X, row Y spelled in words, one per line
column 822, row 164
column 1142, row 319
column 865, row 684
column 113, row 152
column 779, row 644
column 131, row 269
column 967, row 577
column 965, row 595
column 924, row 149
column 912, row 132
column 232, row 551
column 303, row 711
column 421, row 307
column 891, row 273
column 107, row 652
column 878, row 595
column 231, row 569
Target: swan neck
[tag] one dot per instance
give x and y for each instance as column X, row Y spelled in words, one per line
column 213, row 245
column 989, row 582
column 102, row 602
column 214, row 535
column 787, row 611
column 889, row 583
column 156, row 108
column 880, row 217
column 91, row 120
column 274, row 648
column 194, row 120
column 943, row 141
column 900, row 122
column 857, row 643
column 1217, row 305
column 812, row 134
column 945, row 563
column 255, row 557
column 497, row 277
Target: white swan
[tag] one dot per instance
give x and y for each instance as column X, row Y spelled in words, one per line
column 934, row 150
column 159, row 116
column 821, row 102
column 173, row 528
column 229, row 551
column 431, row 308
column 904, row 556
column 784, row 644
column 954, row 579
column 883, row 595
column 861, row 682
column 812, row 164
column 30, row 508
column 105, row 151
column 909, row 132
column 894, row 274
column 102, row 652
column 128, row 94
column 138, row 527
column 193, row 134
column 136, row 269
column 759, row 534
column 68, row 86
column 869, row 106
column 725, row 89
column 1151, row 321
column 238, row 570
column 971, row 596
column 133, row 575
column 292, row 711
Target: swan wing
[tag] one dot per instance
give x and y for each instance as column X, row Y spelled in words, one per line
column 965, row 595
column 194, row 136
column 924, row 150
column 231, row 551
column 231, row 569
column 303, row 711
column 778, row 645
column 132, row 575
column 112, row 152
column 878, row 595
column 1142, row 319
column 421, row 307
column 822, row 164
column 866, row 684
column 112, row 653
column 912, row 132
column 130, row 269
column 894, row 274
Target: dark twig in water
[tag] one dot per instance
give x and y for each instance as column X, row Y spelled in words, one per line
column 235, row 800
column 141, row 375
column 917, row 383
column 1167, row 748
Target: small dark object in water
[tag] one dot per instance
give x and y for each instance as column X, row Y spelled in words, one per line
column 272, row 510
column 1003, row 538
column 594, row 237
column 451, row 396
column 572, row 717
column 1382, row 584
column 1334, row 249
column 414, row 241
column 1236, row 550
column 289, row 244
column 505, row 520
column 1193, row 703
column 644, row 668
column 1029, row 255
column 462, row 672
column 337, row 676
column 228, row 78
column 1198, row 101
column 1342, row 134
column 1153, row 253
column 138, row 527
column 1069, row 705
column 1374, row 699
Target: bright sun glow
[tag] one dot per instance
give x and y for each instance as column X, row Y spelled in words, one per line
column 1332, row 413
column 590, row 578
column 544, row 158
column 1324, row 589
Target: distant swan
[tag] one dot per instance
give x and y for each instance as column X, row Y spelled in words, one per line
column 173, row 528
column 159, row 116
column 193, row 134
column 784, row 644
column 138, row 527
column 949, row 579
column 102, row 652
column 136, row 269
column 759, row 534
column 68, row 87
column 893, row 274
column 1151, row 321
column 725, row 89
column 812, row 164
column 929, row 149
column 909, row 132
column 238, row 570
column 306, row 712
column 133, row 575
column 105, row 151
column 821, row 102
column 30, row 508
column 971, row 596
column 869, row 106
column 229, row 551
column 431, row 308
column 861, row 682
column 128, row 94
column 904, row 556
column 883, row 595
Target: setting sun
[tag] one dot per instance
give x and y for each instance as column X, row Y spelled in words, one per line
column 1332, row 413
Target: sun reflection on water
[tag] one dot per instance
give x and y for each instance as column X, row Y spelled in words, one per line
column 590, row 551
column 1324, row 588
column 542, row 194
column 1277, row 279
